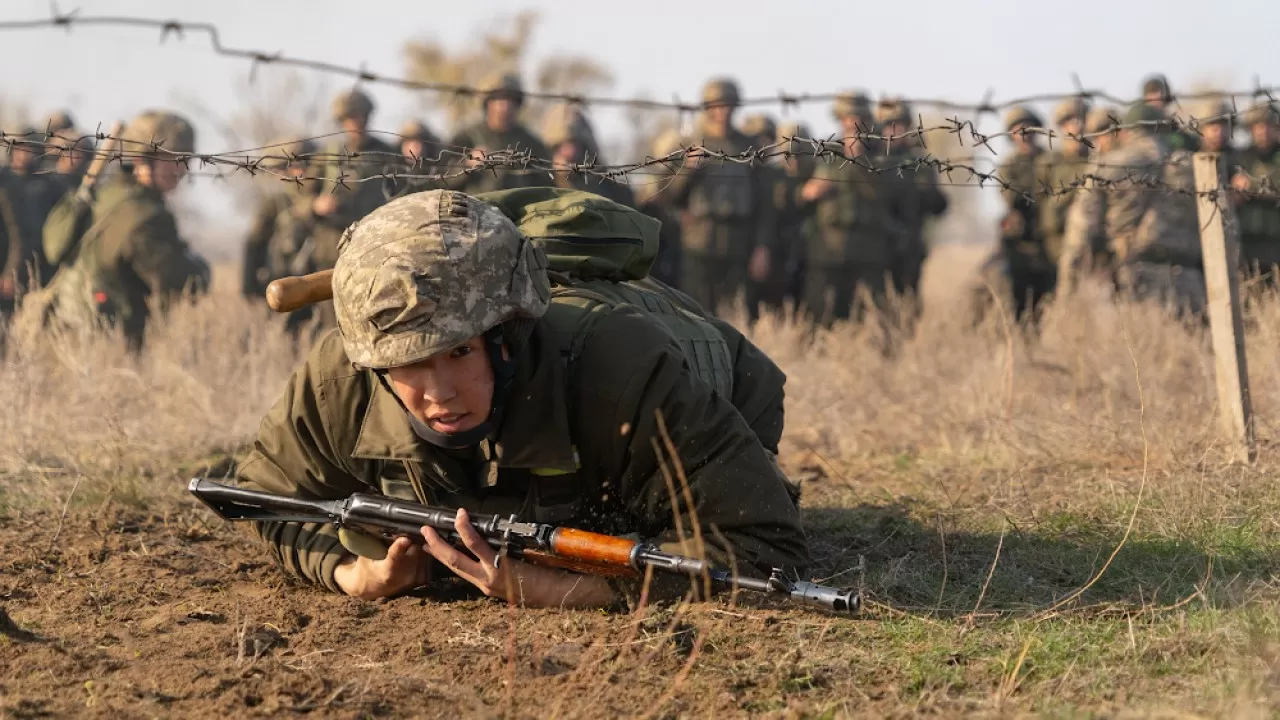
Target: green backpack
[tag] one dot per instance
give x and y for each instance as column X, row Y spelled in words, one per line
column 599, row 255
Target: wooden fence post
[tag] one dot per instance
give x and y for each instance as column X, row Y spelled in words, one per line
column 1221, row 252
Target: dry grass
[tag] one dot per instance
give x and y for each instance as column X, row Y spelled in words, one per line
column 974, row 481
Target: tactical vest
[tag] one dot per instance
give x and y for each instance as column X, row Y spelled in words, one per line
column 723, row 193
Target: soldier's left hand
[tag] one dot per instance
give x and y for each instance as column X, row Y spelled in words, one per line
column 514, row 581
column 760, row 264
column 324, row 204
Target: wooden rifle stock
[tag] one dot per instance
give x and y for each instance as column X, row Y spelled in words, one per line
column 291, row 293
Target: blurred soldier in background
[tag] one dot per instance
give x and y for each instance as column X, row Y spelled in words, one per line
column 1156, row 94
column 1154, row 235
column 283, row 224
column 1059, row 172
column 341, row 197
column 132, row 255
column 421, row 151
column 1031, row 275
column 1214, row 120
column 851, row 246
column 654, row 199
column 571, row 141
column 794, row 215
column 502, row 96
column 919, row 199
column 727, row 221
column 31, row 192
column 1100, row 125
column 1257, row 169
column 769, row 291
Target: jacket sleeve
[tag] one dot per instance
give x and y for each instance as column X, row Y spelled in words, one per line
column 631, row 372
column 295, row 454
column 162, row 259
column 1085, row 221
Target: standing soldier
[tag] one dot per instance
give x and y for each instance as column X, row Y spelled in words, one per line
column 920, row 197
column 770, row 290
column 850, row 250
column 1154, row 235
column 349, row 189
column 569, row 138
column 1100, row 127
column 1031, row 275
column 284, row 221
column 32, row 192
column 132, row 256
column 502, row 96
column 1156, row 94
column 654, row 199
column 727, row 219
column 794, row 215
column 1060, row 172
column 1257, row 169
column 421, row 153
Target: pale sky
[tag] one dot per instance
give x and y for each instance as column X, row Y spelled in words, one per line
column 921, row 48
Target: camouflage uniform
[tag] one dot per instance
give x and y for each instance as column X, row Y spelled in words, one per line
column 32, row 192
column 1259, row 217
column 1157, row 85
column 132, row 254
column 283, row 222
column 556, row 454
column 794, row 215
column 1032, row 275
column 567, row 125
column 1154, row 235
column 481, row 137
column 770, row 292
column 919, row 196
column 725, row 211
column 1059, row 172
column 855, row 230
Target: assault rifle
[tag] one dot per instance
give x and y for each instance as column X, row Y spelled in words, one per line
column 536, row 543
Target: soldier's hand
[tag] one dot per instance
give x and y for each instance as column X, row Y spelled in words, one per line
column 695, row 158
column 324, row 204
column 1241, row 182
column 815, row 189
column 8, row 287
column 405, row 567
column 1012, row 225
column 514, row 581
column 758, row 269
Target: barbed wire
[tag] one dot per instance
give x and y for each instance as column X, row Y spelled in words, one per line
column 452, row 163
column 180, row 28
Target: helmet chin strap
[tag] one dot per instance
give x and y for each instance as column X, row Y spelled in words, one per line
column 504, row 372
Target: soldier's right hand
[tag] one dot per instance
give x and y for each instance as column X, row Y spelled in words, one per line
column 405, row 567
column 1241, row 182
column 324, row 204
column 815, row 189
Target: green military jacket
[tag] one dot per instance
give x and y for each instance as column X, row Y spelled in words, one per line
column 355, row 199
column 131, row 253
column 1259, row 217
column 1025, row 197
column 726, row 206
column 1059, row 174
column 857, row 222
column 919, row 197
column 480, row 137
column 576, row 445
column 281, row 229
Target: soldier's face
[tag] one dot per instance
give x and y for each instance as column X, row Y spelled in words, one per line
column 20, row 157
column 1215, row 135
column 452, row 391
column 1264, row 134
column 567, row 153
column 166, row 174
column 1155, row 100
column 412, row 148
column 500, row 113
column 719, row 116
column 354, row 125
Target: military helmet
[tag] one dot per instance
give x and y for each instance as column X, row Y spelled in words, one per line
column 60, row 121
column 1021, row 115
column 429, row 271
column 1263, row 111
column 285, row 150
column 1070, row 109
column 353, row 103
column 502, row 85
column 758, row 124
column 721, row 91
column 1213, row 111
column 1156, row 83
column 416, row 130
column 566, row 123
column 1145, row 118
column 1101, row 119
column 852, row 102
column 168, row 131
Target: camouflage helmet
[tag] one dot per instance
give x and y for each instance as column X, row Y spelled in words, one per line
column 721, row 91
column 566, row 123
column 1101, row 119
column 416, row 130
column 1213, row 111
column 759, row 124
column 429, row 271
column 60, row 121
column 352, row 104
column 286, row 150
column 1263, row 111
column 502, row 85
column 168, row 131
column 852, row 102
column 1021, row 115
column 1070, row 109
